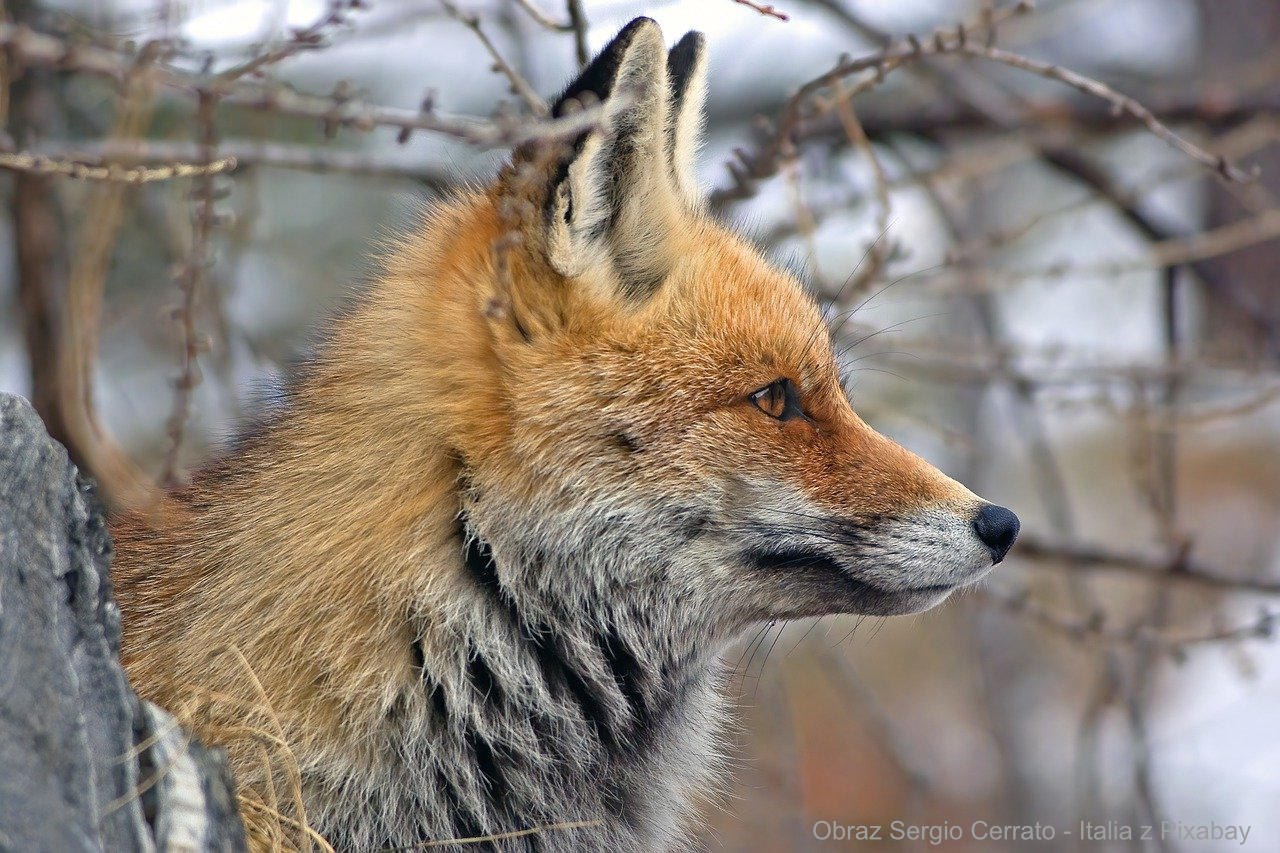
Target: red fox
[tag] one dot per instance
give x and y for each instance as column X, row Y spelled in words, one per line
column 483, row 562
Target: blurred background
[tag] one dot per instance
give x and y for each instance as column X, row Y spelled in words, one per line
column 1065, row 297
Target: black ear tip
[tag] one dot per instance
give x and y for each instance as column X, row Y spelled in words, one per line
column 636, row 23
column 619, row 43
column 690, row 42
column 598, row 76
column 686, row 53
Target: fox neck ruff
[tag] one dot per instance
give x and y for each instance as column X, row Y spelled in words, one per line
column 582, row 719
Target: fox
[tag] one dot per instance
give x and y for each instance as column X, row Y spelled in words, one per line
column 484, row 560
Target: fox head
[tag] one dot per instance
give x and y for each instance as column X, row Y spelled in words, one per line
column 654, row 410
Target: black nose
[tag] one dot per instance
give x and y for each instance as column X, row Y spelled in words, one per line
column 997, row 527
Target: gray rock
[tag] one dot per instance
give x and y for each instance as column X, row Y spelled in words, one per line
column 84, row 764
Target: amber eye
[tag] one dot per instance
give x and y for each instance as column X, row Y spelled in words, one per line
column 778, row 400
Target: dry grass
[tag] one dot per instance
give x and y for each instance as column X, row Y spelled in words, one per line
column 273, row 810
column 274, row 814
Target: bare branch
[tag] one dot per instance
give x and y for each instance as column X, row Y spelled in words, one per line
column 38, row 164
column 125, row 483
column 191, row 277
column 309, row 38
column 766, row 9
column 336, row 110
column 765, row 162
column 1176, row 567
column 879, row 250
column 1097, row 628
column 543, row 18
column 1119, row 104
column 246, row 153
column 519, row 85
column 953, row 41
column 578, row 21
column 1160, row 255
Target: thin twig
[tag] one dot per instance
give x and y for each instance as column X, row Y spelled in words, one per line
column 519, row 85
column 1096, row 627
column 879, row 251
column 578, row 22
column 766, row 9
column 239, row 154
column 1120, row 104
column 765, row 162
column 124, row 482
column 1159, row 255
column 191, row 277
column 542, row 18
column 336, row 110
column 41, row 165
column 300, row 40
column 1154, row 568
column 504, row 836
column 955, row 41
column 344, row 112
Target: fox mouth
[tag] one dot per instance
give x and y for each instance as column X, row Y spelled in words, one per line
column 817, row 584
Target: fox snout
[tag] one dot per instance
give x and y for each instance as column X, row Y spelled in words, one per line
column 817, row 564
column 882, row 532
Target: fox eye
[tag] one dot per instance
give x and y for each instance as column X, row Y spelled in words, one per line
column 778, row 400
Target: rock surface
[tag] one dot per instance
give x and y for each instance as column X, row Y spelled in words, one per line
column 84, row 763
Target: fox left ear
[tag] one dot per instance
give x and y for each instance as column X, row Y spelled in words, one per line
column 613, row 202
column 687, row 78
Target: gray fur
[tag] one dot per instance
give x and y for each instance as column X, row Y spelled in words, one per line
column 635, row 598
column 569, row 693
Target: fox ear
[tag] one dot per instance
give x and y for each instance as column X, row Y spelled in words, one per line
column 687, row 77
column 612, row 203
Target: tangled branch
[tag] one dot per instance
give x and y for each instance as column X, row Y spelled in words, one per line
column 38, row 164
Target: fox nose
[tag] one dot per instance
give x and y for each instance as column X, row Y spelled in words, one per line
column 997, row 527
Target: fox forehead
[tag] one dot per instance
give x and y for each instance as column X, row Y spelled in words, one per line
column 723, row 316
